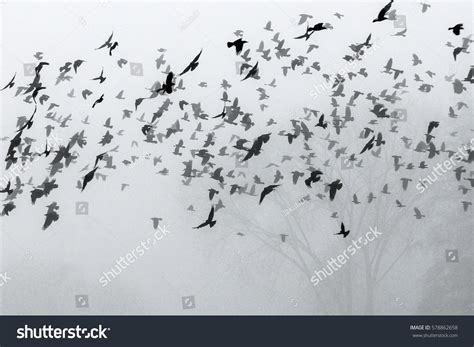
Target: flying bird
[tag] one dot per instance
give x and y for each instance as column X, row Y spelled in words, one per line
column 238, row 44
column 10, row 84
column 194, row 64
column 343, row 231
column 457, row 29
column 253, row 73
column 381, row 17
column 209, row 220
column 267, row 190
column 87, row 178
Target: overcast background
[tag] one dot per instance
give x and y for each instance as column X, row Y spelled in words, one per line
column 227, row 273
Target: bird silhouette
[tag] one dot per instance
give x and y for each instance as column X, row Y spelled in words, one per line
column 209, row 220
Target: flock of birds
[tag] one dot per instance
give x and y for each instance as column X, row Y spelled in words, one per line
column 302, row 130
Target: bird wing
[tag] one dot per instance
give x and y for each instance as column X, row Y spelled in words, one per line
column 384, row 10
column 211, row 215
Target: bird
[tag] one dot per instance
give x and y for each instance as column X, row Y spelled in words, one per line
column 343, row 231
column 156, row 222
column 313, row 178
column 192, row 65
column 107, row 43
column 51, row 215
column 77, row 63
column 252, row 73
column 98, row 101
column 416, row 60
column 101, row 78
column 321, row 122
column 209, row 220
column 418, row 214
column 238, row 44
column 333, row 188
column 456, row 52
column 167, row 87
column 381, row 16
column 457, row 29
column 10, row 84
column 267, row 190
column 88, row 177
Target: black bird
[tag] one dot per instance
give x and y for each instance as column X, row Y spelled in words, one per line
column 311, row 30
column 99, row 158
column 101, row 78
column 29, row 123
column 381, row 17
column 212, row 192
column 313, row 178
column 98, row 101
column 239, row 45
column 253, row 72
column 267, row 190
column 457, row 29
column 167, row 87
column 10, row 84
column 107, row 43
column 368, row 145
column 89, row 177
column 7, row 189
column 343, row 231
column 322, row 123
column 209, row 220
column 333, row 188
column 194, row 64
column 257, row 146
column 40, row 66
column 456, row 52
column 111, row 48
